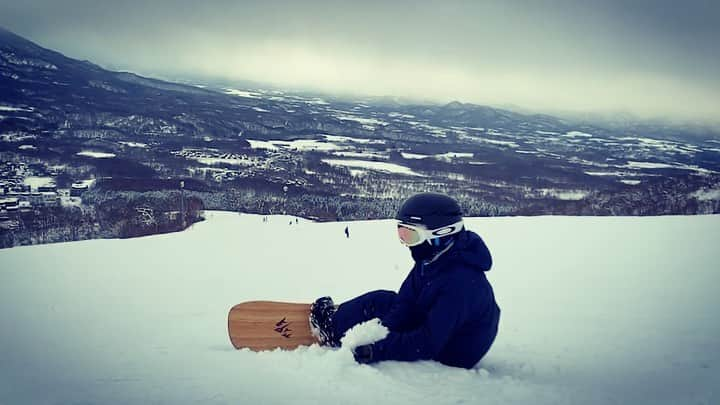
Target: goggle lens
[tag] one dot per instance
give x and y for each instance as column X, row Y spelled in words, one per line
column 409, row 236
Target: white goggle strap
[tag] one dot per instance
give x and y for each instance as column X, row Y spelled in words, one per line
column 445, row 230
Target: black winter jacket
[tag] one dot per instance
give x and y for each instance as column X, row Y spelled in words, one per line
column 445, row 310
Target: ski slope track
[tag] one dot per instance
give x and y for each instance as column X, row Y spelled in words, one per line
column 605, row 310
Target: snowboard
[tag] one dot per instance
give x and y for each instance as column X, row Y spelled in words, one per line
column 268, row 325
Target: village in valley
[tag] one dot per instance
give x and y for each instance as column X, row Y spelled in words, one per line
column 25, row 187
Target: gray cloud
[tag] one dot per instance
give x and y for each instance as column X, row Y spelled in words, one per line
column 652, row 58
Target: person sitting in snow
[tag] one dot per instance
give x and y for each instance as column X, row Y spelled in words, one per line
column 445, row 309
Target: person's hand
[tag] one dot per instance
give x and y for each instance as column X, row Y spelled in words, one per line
column 363, row 354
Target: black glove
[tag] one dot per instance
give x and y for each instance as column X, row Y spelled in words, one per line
column 363, row 354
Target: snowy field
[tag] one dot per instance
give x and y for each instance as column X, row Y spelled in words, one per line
column 595, row 311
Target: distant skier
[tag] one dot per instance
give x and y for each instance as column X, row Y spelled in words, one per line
column 347, row 232
column 445, row 309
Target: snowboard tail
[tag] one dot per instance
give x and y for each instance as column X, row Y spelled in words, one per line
column 268, row 325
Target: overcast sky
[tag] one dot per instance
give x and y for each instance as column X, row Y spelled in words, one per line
column 658, row 58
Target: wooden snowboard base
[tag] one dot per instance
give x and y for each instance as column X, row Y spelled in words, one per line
column 267, row 325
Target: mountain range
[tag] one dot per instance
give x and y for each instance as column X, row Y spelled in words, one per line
column 76, row 121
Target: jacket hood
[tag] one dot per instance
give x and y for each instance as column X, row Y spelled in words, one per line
column 471, row 250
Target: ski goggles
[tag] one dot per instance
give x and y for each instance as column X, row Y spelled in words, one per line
column 412, row 235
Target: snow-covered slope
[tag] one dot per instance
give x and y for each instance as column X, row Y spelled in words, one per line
column 595, row 310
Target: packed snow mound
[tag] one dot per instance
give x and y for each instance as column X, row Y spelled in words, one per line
column 594, row 311
column 364, row 334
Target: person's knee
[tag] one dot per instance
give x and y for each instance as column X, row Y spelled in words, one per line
column 381, row 297
column 379, row 302
column 382, row 294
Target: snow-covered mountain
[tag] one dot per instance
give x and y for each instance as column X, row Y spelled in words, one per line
column 72, row 121
column 595, row 311
column 123, row 144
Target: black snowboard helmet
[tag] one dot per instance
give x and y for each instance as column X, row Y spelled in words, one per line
column 432, row 210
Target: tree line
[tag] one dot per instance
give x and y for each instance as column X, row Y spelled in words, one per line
column 122, row 208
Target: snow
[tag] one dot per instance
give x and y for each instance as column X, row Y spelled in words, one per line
column 400, row 115
column 577, row 134
column 363, row 334
column 585, row 162
column 300, row 144
column 437, row 132
column 67, row 201
column 595, row 311
column 509, row 144
column 367, row 122
column 379, row 166
column 308, row 144
column 362, row 155
column 242, row 93
column 346, row 139
column 707, row 194
column 407, row 155
column 316, row 101
column 567, row 195
column 255, row 144
column 456, row 177
column 243, row 161
column 10, row 201
column 11, row 108
column 35, row 181
column 453, row 155
column 652, row 165
column 96, row 155
column 84, row 183
column 665, row 146
column 450, row 156
column 134, row 144
column 648, row 165
column 606, row 173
